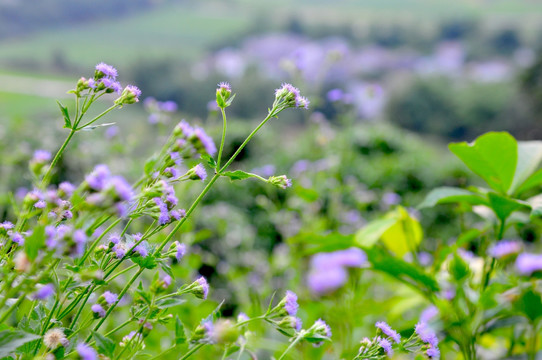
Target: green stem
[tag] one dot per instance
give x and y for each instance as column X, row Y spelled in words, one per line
column 191, row 351
column 97, row 117
column 95, row 243
column 46, row 177
column 223, row 138
column 296, row 340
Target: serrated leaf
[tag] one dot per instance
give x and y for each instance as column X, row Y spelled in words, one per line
column 493, row 156
column 147, row 262
column 180, row 335
column 209, row 160
column 65, row 115
column 447, row 195
column 238, row 175
column 105, row 345
column 11, row 340
column 34, row 242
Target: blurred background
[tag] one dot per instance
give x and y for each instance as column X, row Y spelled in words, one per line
column 391, row 82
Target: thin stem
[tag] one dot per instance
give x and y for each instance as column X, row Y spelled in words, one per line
column 223, row 138
column 98, row 117
column 191, row 351
column 296, row 340
column 95, row 243
column 57, row 157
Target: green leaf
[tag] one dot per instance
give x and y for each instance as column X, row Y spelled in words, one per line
column 66, row 115
column 529, row 157
column 493, row 156
column 309, row 195
column 534, row 180
column 209, row 160
column 503, row 206
column 34, row 242
column 458, row 268
column 446, row 195
column 11, row 340
column 180, row 336
column 147, row 262
column 315, row 243
column 530, row 304
column 536, row 206
column 370, row 234
column 149, row 165
column 105, row 345
column 405, row 235
column 401, row 270
column 239, row 175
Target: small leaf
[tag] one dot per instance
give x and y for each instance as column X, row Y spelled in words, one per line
column 65, row 115
column 446, row 195
column 458, row 268
column 149, row 165
column 493, row 156
column 503, row 206
column 180, row 336
column 34, row 242
column 238, row 175
column 105, row 345
column 209, row 160
column 11, row 340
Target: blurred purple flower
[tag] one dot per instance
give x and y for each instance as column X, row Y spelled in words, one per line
column 527, row 263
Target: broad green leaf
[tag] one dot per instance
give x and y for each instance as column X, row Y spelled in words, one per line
column 147, row 262
column 405, row 235
column 536, row 205
column 315, row 243
column 493, row 156
column 529, row 157
column 180, row 336
column 11, row 340
column 534, row 180
column 65, row 115
column 34, row 242
column 446, row 195
column 503, row 206
column 370, row 234
column 401, row 270
column 105, row 345
column 530, row 304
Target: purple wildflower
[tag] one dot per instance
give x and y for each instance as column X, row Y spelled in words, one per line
column 172, row 200
column 322, row 329
column 433, row 353
column 98, row 177
column 200, row 172
column 7, row 225
column 122, row 188
column 527, row 263
column 133, row 90
column 202, row 288
column 386, row 345
column 291, row 304
column 137, row 236
column 205, row 140
column 171, row 172
column 334, row 95
column 119, row 250
column 142, row 250
column 387, row 330
column 44, row 292
column 110, row 297
column 167, row 281
column 428, row 314
column 504, row 249
column 80, row 239
column 325, row 281
column 98, row 310
column 86, row 352
column 299, row 324
column 164, row 218
column 176, row 214
column 67, row 188
column 106, row 70
column 180, row 251
column 168, row 106
column 184, row 129
column 426, row 334
column 41, row 156
column 114, row 238
column 224, row 86
column 17, row 238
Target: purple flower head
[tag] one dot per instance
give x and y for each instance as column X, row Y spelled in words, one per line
column 322, row 324
column 184, row 129
column 426, row 334
column 167, row 281
column 98, row 310
column 164, row 218
column 41, row 156
column 171, row 172
column 527, row 263
column 121, row 187
column 242, row 317
column 177, row 214
column 106, row 70
column 112, row 85
column 299, row 324
column 67, row 188
column 171, row 200
column 504, row 249
column 176, row 157
column 98, row 177
column 86, row 352
column 388, row 331
column 114, row 238
column 386, row 345
column 290, row 303
column 200, row 172
column 168, row 106
column 334, row 95
column 325, row 281
column 80, row 239
column 91, row 83
column 391, row 198
column 137, row 236
column 17, row 238
column 433, row 353
column 110, row 297
column 287, row 90
column 180, row 251
column 7, row 225
column 202, row 288
column 205, row 140
column 224, row 86
column 142, row 250
column 111, row 132
column 154, row 118
column 44, row 292
column 119, row 250
column 428, row 314
column 302, row 102
column 130, row 95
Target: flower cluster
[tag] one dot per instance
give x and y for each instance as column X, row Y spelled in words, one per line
column 107, row 191
column 289, row 96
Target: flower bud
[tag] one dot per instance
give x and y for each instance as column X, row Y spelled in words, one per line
column 280, row 181
column 290, row 322
column 130, row 95
column 224, row 332
column 197, row 173
column 223, row 93
column 200, row 288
